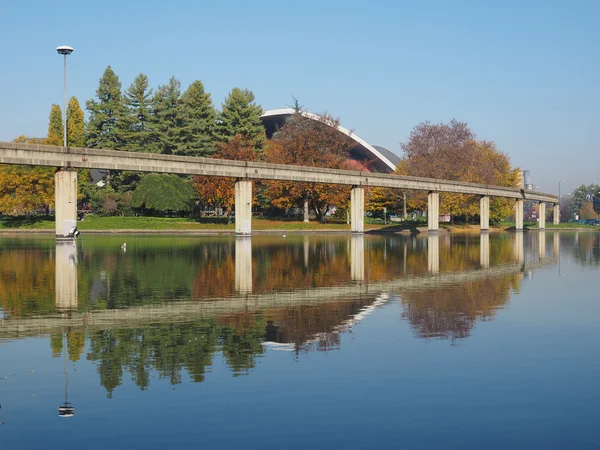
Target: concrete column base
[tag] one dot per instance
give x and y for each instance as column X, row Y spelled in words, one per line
column 357, row 210
column 243, row 207
column 519, row 214
column 65, row 202
column 556, row 214
column 542, row 225
column 484, row 213
column 433, row 211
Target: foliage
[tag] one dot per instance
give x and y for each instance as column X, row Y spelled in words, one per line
column 163, row 192
column 316, row 143
column 75, row 124
column 167, row 117
column 240, row 115
column 581, row 195
column 198, row 118
column 587, row 211
column 103, row 130
column 137, row 125
column 220, row 191
column 55, row 127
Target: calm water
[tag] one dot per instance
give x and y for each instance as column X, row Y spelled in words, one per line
column 307, row 341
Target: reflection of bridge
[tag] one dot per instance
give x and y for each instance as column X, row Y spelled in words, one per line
column 245, row 300
column 245, row 171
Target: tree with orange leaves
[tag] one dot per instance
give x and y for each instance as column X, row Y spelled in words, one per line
column 303, row 141
column 220, row 191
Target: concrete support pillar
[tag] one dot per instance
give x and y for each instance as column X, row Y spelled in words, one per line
column 433, row 253
column 542, row 225
column 243, row 207
column 542, row 245
column 243, row 264
column 433, row 211
column 66, row 276
column 519, row 214
column 306, row 251
column 484, row 213
column 484, row 250
column 556, row 244
column 357, row 210
column 556, row 214
column 65, row 202
column 357, row 257
column 518, row 247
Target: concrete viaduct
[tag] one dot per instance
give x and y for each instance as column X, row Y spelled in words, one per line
column 69, row 158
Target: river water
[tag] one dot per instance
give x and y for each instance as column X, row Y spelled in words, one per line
column 454, row 341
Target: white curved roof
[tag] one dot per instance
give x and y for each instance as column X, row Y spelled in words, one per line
column 376, row 154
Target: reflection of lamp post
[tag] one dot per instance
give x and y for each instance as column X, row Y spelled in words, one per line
column 65, row 50
column 559, row 183
column 66, row 410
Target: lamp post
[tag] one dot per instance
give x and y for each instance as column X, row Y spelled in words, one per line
column 559, row 183
column 65, row 50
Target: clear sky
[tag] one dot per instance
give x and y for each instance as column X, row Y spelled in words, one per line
column 525, row 74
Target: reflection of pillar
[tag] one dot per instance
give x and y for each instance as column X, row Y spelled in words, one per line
column 484, row 213
column 357, row 257
column 518, row 247
column 519, row 214
column 433, row 253
column 542, row 216
column 484, row 250
column 556, row 214
column 65, row 202
column 542, row 244
column 243, row 207
column 243, row 264
column 357, row 210
column 433, row 211
column 306, row 250
column 556, row 244
column 66, row 276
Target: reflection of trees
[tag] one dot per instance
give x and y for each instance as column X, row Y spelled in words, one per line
column 450, row 312
column 587, row 253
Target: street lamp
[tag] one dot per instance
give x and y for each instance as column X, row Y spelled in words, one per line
column 65, row 50
column 559, row 183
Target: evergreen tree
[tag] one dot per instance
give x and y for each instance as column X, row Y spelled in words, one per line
column 75, row 124
column 241, row 115
column 55, row 127
column 198, row 117
column 167, row 116
column 105, row 113
column 137, row 125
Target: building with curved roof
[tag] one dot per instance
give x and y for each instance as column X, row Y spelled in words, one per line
column 379, row 159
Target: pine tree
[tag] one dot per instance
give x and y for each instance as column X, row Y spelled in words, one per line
column 198, row 117
column 137, row 126
column 75, row 124
column 241, row 115
column 105, row 113
column 55, row 127
column 167, row 116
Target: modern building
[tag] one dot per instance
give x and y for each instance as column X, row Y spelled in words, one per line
column 379, row 158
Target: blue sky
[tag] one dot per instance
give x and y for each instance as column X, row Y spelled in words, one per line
column 524, row 74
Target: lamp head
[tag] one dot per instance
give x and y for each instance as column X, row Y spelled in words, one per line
column 64, row 50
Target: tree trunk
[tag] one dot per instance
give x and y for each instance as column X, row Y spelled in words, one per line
column 306, row 209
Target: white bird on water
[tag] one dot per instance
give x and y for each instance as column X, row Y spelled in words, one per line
column 124, row 246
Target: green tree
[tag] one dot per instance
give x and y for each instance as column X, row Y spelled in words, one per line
column 75, row 124
column 198, row 117
column 103, row 130
column 581, row 195
column 167, row 116
column 240, row 115
column 55, row 127
column 138, row 128
column 163, row 192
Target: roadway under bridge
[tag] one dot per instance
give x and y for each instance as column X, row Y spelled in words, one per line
column 70, row 158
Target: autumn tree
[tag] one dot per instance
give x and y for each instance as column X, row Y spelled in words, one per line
column 198, row 117
column 586, row 212
column 220, row 191
column 240, row 115
column 55, row 127
column 304, row 141
column 103, row 128
column 75, row 124
column 581, row 196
